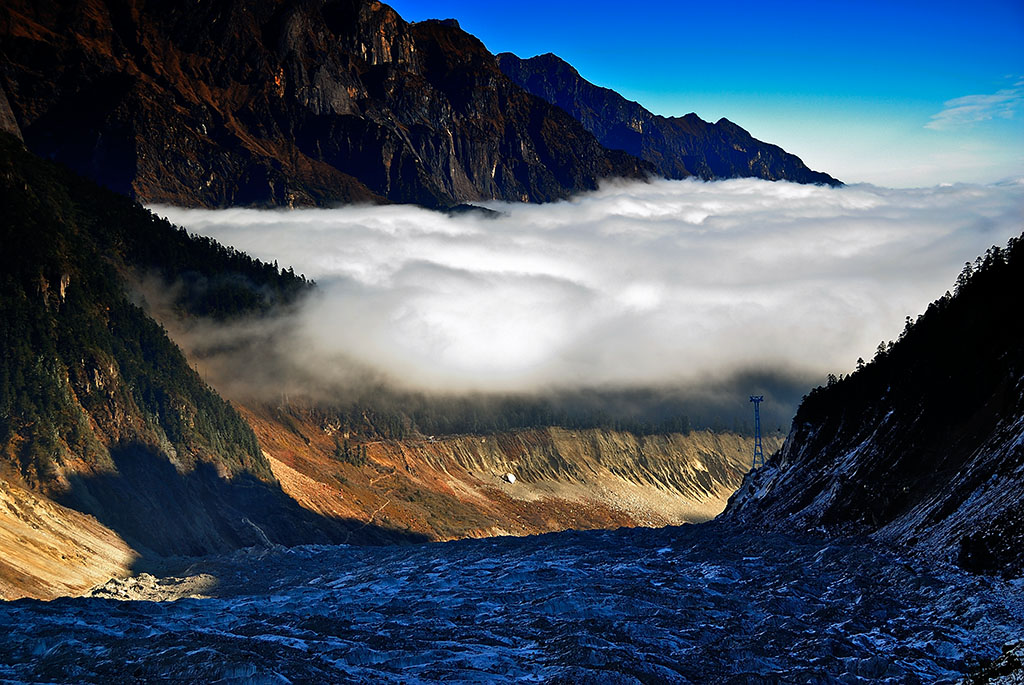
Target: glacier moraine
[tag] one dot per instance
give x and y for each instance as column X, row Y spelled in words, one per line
column 700, row 604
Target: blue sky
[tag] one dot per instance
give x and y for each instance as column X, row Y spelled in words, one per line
column 899, row 93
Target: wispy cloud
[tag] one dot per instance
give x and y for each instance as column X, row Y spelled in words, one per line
column 970, row 109
column 671, row 282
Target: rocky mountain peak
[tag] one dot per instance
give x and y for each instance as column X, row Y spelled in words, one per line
column 285, row 103
column 677, row 147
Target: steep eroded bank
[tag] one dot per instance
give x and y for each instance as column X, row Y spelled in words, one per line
column 457, row 486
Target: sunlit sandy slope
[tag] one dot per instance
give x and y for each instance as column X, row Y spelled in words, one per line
column 50, row 550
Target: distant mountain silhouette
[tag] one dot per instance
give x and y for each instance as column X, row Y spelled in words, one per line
column 311, row 102
column 677, row 147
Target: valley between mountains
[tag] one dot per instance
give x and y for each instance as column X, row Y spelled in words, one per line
column 419, row 490
column 196, row 488
column 118, row 455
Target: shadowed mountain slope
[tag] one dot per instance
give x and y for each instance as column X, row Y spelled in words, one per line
column 677, row 147
column 924, row 446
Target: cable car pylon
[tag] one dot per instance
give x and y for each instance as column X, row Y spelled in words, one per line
column 758, row 449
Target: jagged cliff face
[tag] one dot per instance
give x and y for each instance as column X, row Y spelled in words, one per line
column 924, row 446
column 457, row 486
column 283, row 103
column 677, row 147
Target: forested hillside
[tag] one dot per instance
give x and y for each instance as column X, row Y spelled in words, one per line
column 99, row 410
column 924, row 444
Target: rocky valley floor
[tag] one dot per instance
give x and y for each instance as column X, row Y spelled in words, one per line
column 703, row 603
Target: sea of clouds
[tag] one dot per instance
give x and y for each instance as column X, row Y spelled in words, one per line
column 667, row 283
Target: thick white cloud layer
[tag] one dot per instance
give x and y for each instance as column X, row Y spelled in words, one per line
column 671, row 282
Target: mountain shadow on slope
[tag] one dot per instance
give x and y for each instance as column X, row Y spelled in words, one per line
column 98, row 408
column 162, row 512
column 924, row 445
column 677, row 147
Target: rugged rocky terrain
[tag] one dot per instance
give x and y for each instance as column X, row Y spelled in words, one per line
column 677, row 147
column 705, row 603
column 923, row 446
column 285, row 102
column 48, row 551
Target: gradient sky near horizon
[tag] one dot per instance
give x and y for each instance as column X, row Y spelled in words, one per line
column 899, row 94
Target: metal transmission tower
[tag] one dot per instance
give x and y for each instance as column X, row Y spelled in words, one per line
column 758, row 450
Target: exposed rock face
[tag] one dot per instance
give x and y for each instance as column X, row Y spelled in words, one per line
column 676, row 147
column 285, row 102
column 7, row 121
column 925, row 445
